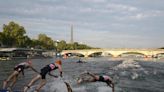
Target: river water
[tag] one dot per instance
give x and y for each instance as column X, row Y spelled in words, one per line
column 129, row 75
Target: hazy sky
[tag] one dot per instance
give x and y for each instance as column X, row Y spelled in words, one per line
column 98, row 23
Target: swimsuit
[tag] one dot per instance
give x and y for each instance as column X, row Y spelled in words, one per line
column 47, row 69
column 101, row 78
column 21, row 67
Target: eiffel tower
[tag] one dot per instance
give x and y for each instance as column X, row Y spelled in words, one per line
column 72, row 35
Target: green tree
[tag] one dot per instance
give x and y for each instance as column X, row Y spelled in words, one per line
column 7, row 39
column 46, row 42
column 0, row 39
column 13, row 35
column 69, row 47
column 35, row 44
column 75, row 45
column 0, row 36
column 23, row 41
column 83, row 46
column 61, row 45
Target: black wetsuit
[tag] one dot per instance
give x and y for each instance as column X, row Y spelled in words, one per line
column 47, row 69
column 102, row 79
column 20, row 67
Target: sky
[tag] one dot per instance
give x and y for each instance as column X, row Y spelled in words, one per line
column 97, row 23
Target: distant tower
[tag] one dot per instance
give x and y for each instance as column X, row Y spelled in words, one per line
column 71, row 34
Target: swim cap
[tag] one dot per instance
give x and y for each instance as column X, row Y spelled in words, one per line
column 58, row 62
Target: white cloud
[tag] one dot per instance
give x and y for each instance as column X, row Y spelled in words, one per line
column 121, row 7
column 139, row 16
column 109, row 8
column 147, row 14
column 94, row 1
column 86, row 10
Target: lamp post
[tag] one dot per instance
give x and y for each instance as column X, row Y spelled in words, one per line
column 56, row 44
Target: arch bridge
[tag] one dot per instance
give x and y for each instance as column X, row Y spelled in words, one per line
column 115, row 52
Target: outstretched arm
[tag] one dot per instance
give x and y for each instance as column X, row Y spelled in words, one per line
column 60, row 70
column 93, row 75
column 23, row 72
column 111, row 84
column 113, row 87
column 34, row 69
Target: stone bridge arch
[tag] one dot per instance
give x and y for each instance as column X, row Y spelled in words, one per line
column 67, row 53
column 92, row 54
column 132, row 52
column 115, row 52
column 74, row 54
column 158, row 55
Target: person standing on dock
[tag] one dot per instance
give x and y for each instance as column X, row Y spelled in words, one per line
column 17, row 70
column 46, row 69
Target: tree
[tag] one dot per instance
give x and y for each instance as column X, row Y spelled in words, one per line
column 0, row 39
column 23, row 41
column 13, row 35
column 0, row 36
column 61, row 45
column 7, row 39
column 46, row 42
column 83, row 46
column 75, row 45
column 69, row 47
column 35, row 44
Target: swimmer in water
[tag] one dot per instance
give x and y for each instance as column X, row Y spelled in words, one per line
column 101, row 78
column 47, row 69
column 80, row 61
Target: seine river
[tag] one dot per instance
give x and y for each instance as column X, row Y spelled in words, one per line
column 129, row 75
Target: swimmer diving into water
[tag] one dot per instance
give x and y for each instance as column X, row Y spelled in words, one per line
column 17, row 70
column 46, row 69
column 101, row 78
